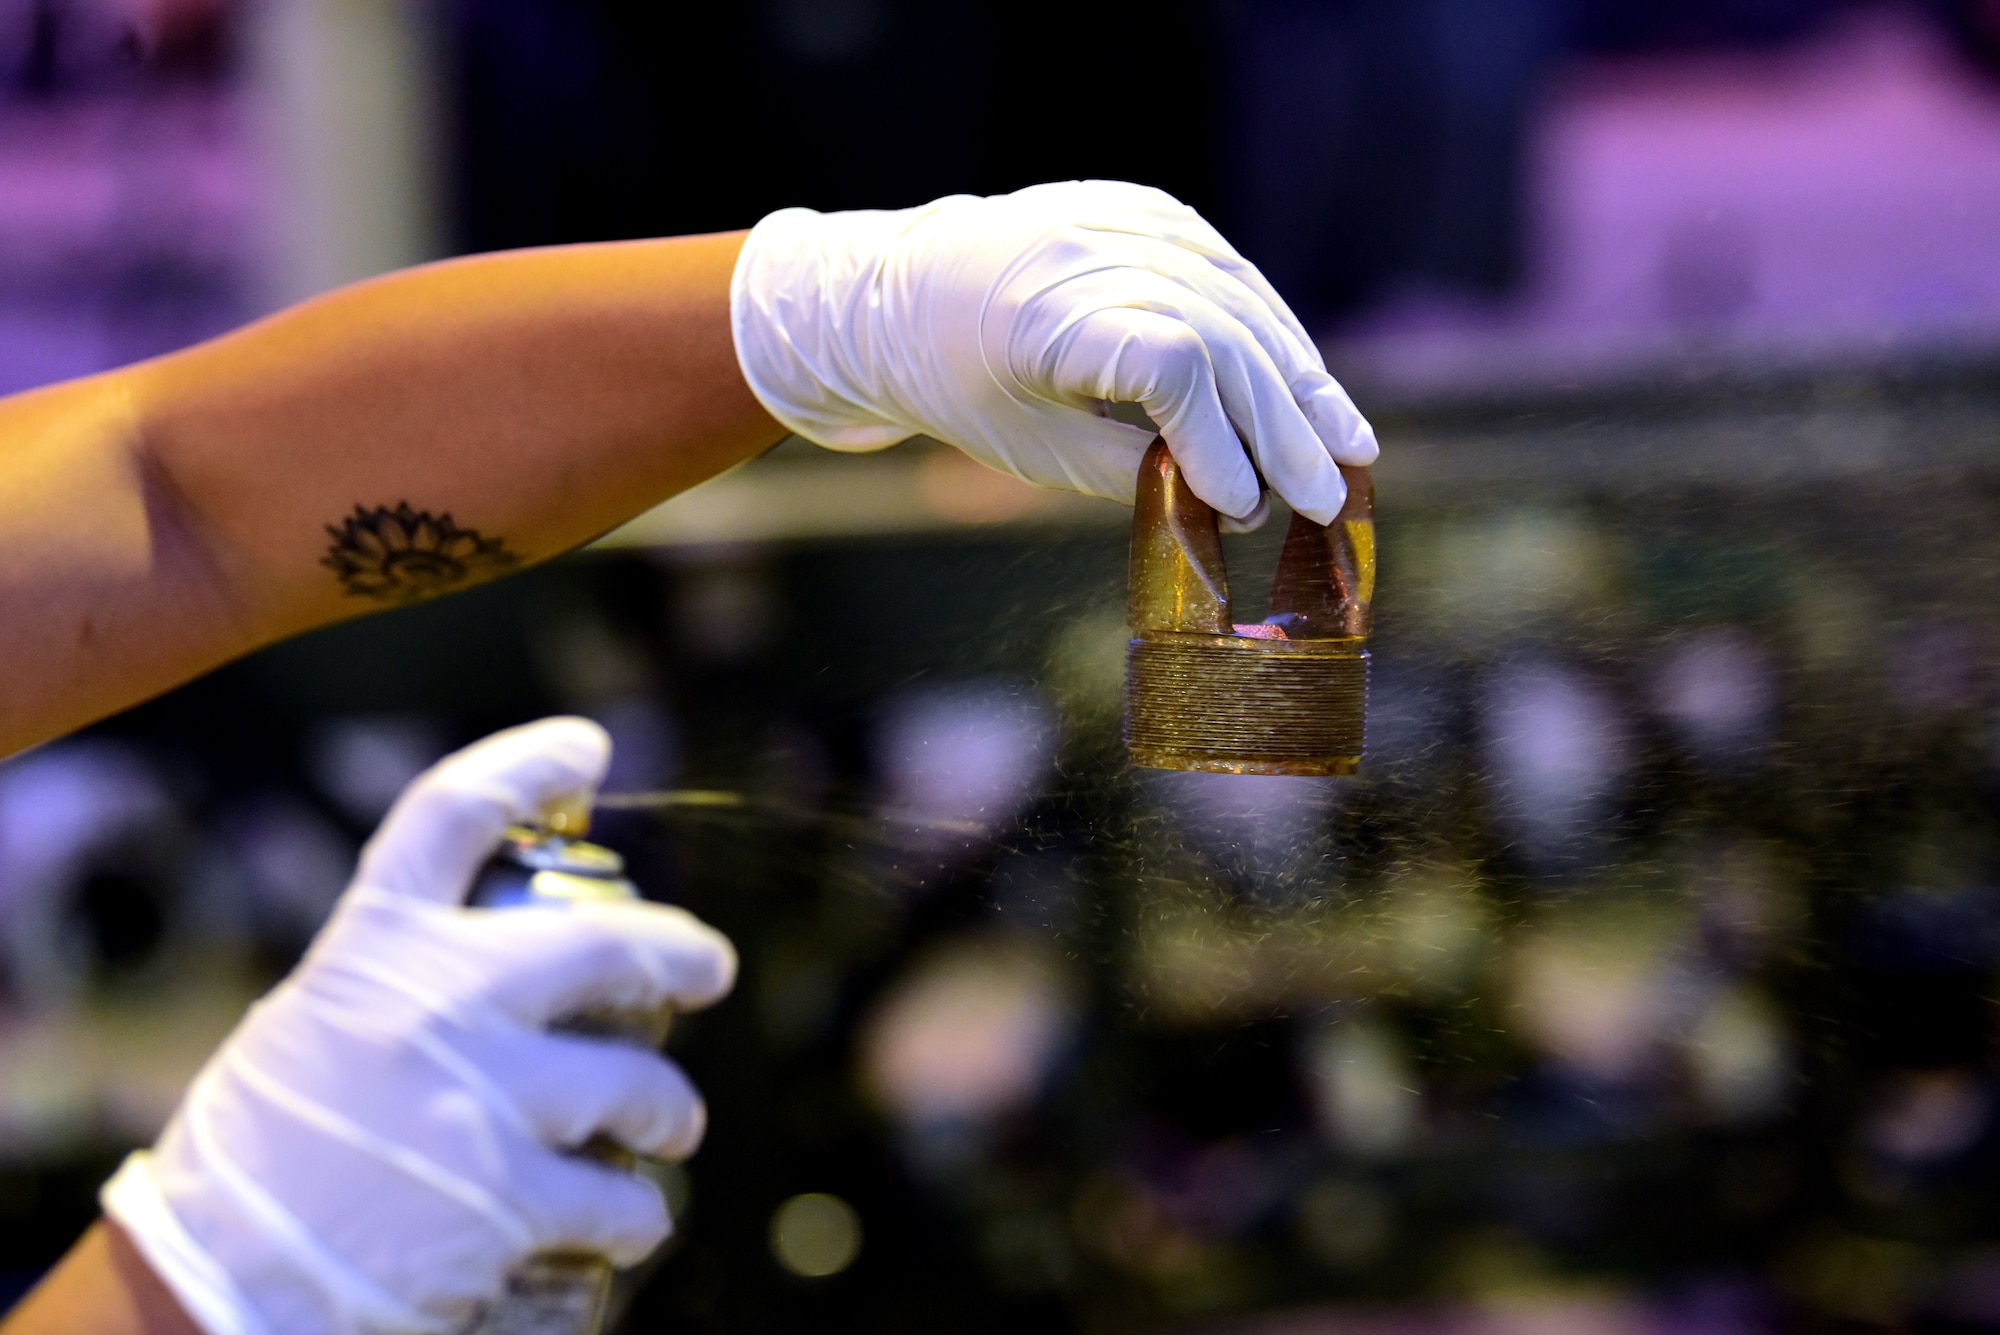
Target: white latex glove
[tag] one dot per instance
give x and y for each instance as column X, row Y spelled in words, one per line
column 1003, row 326
column 382, row 1137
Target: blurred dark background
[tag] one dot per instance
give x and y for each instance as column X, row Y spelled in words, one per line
column 1350, row 146
column 1644, row 980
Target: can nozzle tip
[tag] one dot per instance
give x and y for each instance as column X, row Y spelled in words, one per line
column 569, row 817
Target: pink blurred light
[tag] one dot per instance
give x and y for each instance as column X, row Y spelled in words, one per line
column 1718, row 691
column 1557, row 748
column 968, row 1035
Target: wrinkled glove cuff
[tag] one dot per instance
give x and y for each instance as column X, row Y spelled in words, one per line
column 133, row 1199
column 800, row 306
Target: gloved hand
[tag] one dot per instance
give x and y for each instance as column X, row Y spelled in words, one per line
column 1003, row 326
column 382, row 1137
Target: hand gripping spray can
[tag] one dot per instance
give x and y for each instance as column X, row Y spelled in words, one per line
column 547, row 867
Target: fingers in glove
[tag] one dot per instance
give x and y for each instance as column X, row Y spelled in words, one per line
column 1143, row 210
column 1274, row 327
column 1093, row 454
column 578, row 1203
column 1339, row 424
column 1289, row 453
column 1206, row 380
column 1249, row 523
column 1124, row 355
column 570, row 1089
column 450, row 817
column 1150, row 230
column 1349, row 436
column 553, row 965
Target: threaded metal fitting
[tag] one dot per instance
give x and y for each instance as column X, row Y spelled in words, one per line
column 1236, row 705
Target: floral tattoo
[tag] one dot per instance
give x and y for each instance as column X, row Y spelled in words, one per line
column 401, row 555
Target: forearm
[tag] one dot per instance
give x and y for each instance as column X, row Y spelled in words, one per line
column 101, row 1287
column 159, row 520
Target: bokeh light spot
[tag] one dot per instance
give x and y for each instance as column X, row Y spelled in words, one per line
column 815, row 1235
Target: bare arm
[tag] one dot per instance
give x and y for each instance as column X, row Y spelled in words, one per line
column 161, row 519
column 102, row 1287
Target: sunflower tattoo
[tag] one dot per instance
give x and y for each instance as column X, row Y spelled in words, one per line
column 401, row 555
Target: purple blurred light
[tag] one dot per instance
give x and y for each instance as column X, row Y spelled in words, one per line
column 962, row 759
column 1718, row 691
column 1828, row 202
column 1557, row 750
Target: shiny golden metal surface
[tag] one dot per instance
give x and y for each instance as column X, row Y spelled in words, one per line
column 1287, row 696
column 1176, row 580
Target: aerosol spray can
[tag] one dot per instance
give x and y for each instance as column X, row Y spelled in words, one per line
column 544, row 868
